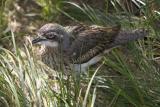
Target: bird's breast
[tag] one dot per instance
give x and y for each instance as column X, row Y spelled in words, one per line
column 53, row 58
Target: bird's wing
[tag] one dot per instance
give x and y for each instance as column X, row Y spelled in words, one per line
column 91, row 42
column 74, row 31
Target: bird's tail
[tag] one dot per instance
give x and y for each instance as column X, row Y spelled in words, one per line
column 127, row 36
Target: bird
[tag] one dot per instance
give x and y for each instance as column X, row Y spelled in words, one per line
column 78, row 47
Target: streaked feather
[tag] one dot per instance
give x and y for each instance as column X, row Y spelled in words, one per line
column 90, row 43
column 86, row 43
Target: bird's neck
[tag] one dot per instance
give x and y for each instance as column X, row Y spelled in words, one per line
column 46, row 50
column 52, row 57
column 65, row 43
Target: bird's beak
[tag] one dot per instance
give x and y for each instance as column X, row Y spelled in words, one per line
column 38, row 40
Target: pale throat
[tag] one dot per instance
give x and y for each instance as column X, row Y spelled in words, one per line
column 49, row 48
column 52, row 53
column 51, row 56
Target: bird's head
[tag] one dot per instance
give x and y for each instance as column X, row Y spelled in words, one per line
column 52, row 35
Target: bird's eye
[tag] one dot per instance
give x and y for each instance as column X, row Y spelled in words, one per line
column 51, row 35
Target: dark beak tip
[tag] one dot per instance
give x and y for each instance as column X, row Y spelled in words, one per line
column 36, row 40
column 33, row 41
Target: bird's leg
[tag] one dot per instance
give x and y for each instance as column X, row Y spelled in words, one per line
column 83, row 67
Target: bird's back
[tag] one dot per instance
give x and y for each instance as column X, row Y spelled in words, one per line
column 91, row 42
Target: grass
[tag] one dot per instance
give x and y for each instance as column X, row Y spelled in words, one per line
column 127, row 77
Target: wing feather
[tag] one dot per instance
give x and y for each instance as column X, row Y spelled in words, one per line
column 90, row 43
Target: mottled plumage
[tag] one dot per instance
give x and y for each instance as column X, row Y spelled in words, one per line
column 90, row 43
column 80, row 46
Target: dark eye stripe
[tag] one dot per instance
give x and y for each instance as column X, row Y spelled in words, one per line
column 51, row 35
column 52, row 32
